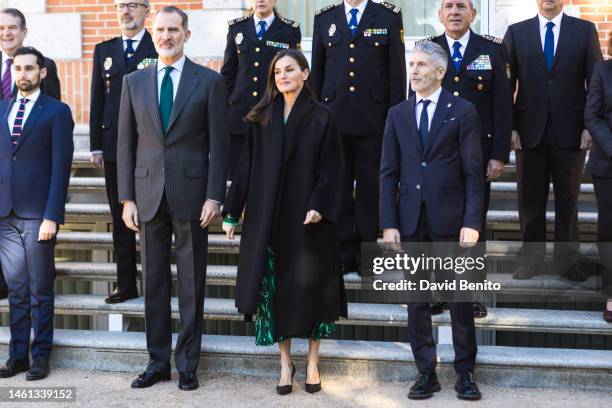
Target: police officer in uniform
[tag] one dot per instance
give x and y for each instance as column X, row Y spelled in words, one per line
column 112, row 60
column 252, row 42
column 359, row 71
column 477, row 71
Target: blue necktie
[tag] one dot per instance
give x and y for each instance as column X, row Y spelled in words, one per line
column 457, row 57
column 424, row 123
column 262, row 29
column 166, row 98
column 549, row 45
column 129, row 50
column 353, row 22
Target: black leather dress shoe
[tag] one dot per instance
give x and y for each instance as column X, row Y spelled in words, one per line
column 39, row 369
column 313, row 388
column 3, row 293
column 438, row 307
column 523, row 272
column 188, row 380
column 351, row 266
column 480, row 310
column 466, row 387
column 286, row 389
column 424, row 387
column 14, row 367
column 149, row 378
column 121, row 296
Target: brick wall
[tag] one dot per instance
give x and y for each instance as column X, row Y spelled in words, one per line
column 99, row 22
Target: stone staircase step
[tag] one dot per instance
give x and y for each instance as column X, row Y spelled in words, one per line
column 374, row 360
column 361, row 314
column 225, row 275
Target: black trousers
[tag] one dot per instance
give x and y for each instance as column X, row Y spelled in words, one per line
column 535, row 168
column 420, row 330
column 359, row 218
column 124, row 239
column 191, row 242
column 603, row 194
column 236, row 145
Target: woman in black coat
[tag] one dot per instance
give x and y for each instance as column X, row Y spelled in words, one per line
column 598, row 119
column 288, row 183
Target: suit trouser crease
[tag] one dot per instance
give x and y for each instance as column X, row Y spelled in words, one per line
column 190, row 243
column 29, row 271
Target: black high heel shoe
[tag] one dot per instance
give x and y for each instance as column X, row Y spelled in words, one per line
column 313, row 388
column 286, row 389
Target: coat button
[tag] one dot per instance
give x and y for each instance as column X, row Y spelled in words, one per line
column 376, row 44
column 489, row 135
column 352, row 89
column 329, row 44
column 254, row 79
column 326, row 99
column 423, row 164
column 256, row 63
column 352, row 74
column 352, row 45
column 456, row 93
column 14, row 158
column 103, row 126
column 254, row 93
column 480, row 78
column 107, row 75
column 418, row 186
column 351, row 59
column 480, row 87
column 257, row 49
column 456, row 79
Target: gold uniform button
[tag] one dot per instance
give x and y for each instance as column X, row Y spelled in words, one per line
column 376, row 44
column 326, row 99
column 480, row 78
column 456, row 93
column 254, row 79
column 329, row 44
column 352, row 73
column 254, row 93
column 352, row 89
column 256, row 63
column 257, row 49
column 352, row 46
column 457, row 79
column 480, row 87
column 238, row 51
column 107, row 75
column 351, row 59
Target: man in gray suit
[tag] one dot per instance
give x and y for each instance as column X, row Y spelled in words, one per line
column 172, row 157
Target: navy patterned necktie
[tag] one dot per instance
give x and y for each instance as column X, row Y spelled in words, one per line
column 457, row 57
column 353, row 22
column 549, row 45
column 18, row 124
column 424, row 122
column 262, row 29
column 129, row 49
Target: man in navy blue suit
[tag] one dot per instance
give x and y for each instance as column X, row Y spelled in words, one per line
column 432, row 190
column 35, row 157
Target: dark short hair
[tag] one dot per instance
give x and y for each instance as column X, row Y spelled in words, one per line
column 174, row 9
column 16, row 13
column 40, row 59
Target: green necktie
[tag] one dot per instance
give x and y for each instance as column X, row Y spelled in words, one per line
column 166, row 98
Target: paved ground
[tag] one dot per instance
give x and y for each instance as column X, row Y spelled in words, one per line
column 104, row 389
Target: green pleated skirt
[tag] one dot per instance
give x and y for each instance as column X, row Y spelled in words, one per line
column 264, row 320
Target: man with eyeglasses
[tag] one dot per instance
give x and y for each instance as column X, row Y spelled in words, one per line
column 112, row 60
column 13, row 32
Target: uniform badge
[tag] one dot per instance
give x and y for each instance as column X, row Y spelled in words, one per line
column 239, row 38
column 332, row 30
column 146, row 62
column 508, row 72
column 402, row 35
column 374, row 31
column 108, row 63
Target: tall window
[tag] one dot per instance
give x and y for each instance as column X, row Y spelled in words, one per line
column 420, row 16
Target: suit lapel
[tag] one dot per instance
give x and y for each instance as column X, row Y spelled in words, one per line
column 250, row 30
column 32, row 118
column 188, row 83
column 443, row 108
column 408, row 121
column 471, row 52
column 119, row 55
column 300, row 113
column 533, row 36
column 341, row 23
column 565, row 34
column 6, row 129
column 143, row 49
column 151, row 98
column 274, row 30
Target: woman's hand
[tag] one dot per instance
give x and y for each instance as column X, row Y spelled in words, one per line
column 229, row 230
column 312, row 217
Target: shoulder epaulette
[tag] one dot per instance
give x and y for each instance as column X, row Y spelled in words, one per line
column 425, row 39
column 109, row 40
column 392, row 7
column 290, row 22
column 324, row 9
column 236, row 20
column 496, row 40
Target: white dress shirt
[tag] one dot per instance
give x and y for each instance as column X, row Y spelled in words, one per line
column 269, row 20
column 137, row 39
column 175, row 75
column 463, row 41
column 431, row 108
column 556, row 29
column 32, row 98
column 360, row 8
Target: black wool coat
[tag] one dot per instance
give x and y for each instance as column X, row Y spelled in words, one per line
column 285, row 171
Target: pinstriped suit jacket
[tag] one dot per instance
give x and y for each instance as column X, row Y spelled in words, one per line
column 188, row 162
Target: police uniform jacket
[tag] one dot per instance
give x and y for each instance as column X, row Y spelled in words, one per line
column 246, row 62
column 109, row 67
column 359, row 77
